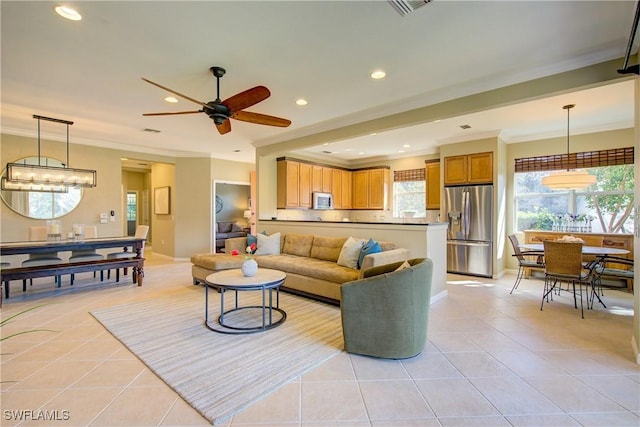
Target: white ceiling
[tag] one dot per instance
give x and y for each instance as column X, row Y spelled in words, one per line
column 90, row 71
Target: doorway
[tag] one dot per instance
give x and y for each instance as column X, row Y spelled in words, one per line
column 132, row 212
column 231, row 202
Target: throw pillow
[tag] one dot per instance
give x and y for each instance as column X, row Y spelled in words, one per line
column 403, row 266
column 350, row 252
column 252, row 238
column 268, row 245
column 371, row 247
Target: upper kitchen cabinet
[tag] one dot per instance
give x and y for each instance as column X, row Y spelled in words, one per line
column 432, row 174
column 370, row 188
column 321, row 178
column 294, row 184
column 341, row 188
column 474, row 168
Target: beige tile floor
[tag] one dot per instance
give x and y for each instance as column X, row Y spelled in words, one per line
column 493, row 359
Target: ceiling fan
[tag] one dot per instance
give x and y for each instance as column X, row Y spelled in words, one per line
column 221, row 111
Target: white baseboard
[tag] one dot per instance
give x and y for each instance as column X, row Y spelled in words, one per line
column 439, row 296
column 634, row 347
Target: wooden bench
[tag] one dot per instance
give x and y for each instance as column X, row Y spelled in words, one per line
column 23, row 273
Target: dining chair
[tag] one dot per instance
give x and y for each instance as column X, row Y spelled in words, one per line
column 613, row 267
column 563, row 262
column 39, row 233
column 523, row 261
column 90, row 232
column 141, row 232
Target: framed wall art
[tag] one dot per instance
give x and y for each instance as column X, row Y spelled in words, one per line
column 162, row 200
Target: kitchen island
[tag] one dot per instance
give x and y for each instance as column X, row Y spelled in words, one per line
column 422, row 240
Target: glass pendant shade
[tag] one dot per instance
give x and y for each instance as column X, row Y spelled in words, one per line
column 41, row 188
column 50, row 175
column 568, row 180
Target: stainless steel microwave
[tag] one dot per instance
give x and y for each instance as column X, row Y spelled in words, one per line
column 322, row 200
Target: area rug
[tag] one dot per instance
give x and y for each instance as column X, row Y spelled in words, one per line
column 218, row 374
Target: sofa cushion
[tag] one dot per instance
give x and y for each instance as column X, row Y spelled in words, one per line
column 217, row 262
column 224, row 226
column 236, row 228
column 297, row 244
column 350, row 252
column 268, row 245
column 311, row 267
column 327, row 248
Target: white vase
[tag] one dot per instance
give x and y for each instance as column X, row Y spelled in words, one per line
column 249, row 267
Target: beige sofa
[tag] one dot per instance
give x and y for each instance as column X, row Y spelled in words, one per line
column 311, row 263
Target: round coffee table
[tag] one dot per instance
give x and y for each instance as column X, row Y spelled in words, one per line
column 241, row 319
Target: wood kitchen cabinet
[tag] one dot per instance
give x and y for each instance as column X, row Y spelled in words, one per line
column 294, row 184
column 474, row 168
column 347, row 189
column 432, row 174
column 370, row 188
column 341, row 188
column 321, row 178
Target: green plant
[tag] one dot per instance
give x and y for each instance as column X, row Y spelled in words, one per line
column 8, row 320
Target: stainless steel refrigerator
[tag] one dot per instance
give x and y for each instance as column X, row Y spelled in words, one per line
column 469, row 211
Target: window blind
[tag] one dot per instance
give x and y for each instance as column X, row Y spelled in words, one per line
column 409, row 175
column 586, row 159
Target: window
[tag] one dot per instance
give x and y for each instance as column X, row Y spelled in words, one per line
column 606, row 207
column 409, row 193
column 131, row 206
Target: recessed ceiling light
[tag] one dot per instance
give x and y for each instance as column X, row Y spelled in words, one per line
column 123, row 158
column 373, row 134
column 326, row 143
column 361, row 153
column 378, row 74
column 400, row 151
column 406, row 145
column 301, row 102
column 171, row 99
column 67, row 12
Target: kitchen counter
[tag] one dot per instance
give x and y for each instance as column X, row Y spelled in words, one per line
column 398, row 222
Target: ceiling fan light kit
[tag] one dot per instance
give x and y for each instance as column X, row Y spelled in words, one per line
column 569, row 179
column 45, row 178
column 231, row 108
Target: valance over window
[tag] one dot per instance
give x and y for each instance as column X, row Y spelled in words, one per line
column 586, row 159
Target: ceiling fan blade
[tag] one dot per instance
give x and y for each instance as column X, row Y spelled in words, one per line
column 261, row 119
column 171, row 114
column 174, row 92
column 225, row 127
column 246, row 99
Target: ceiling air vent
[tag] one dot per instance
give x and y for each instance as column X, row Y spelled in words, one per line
column 405, row 7
column 465, row 127
column 150, row 130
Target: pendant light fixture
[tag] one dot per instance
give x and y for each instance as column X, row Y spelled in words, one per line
column 569, row 179
column 48, row 178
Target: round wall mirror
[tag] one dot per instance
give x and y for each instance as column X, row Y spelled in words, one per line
column 40, row 205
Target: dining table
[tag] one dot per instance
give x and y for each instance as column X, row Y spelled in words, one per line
column 124, row 243
column 599, row 252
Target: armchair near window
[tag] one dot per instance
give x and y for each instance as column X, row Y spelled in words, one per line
column 386, row 313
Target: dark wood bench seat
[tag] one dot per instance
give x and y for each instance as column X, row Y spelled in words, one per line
column 23, row 273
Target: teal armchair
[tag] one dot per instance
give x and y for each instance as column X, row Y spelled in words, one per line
column 386, row 313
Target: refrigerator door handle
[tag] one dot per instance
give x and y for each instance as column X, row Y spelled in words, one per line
column 467, row 243
column 466, row 209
